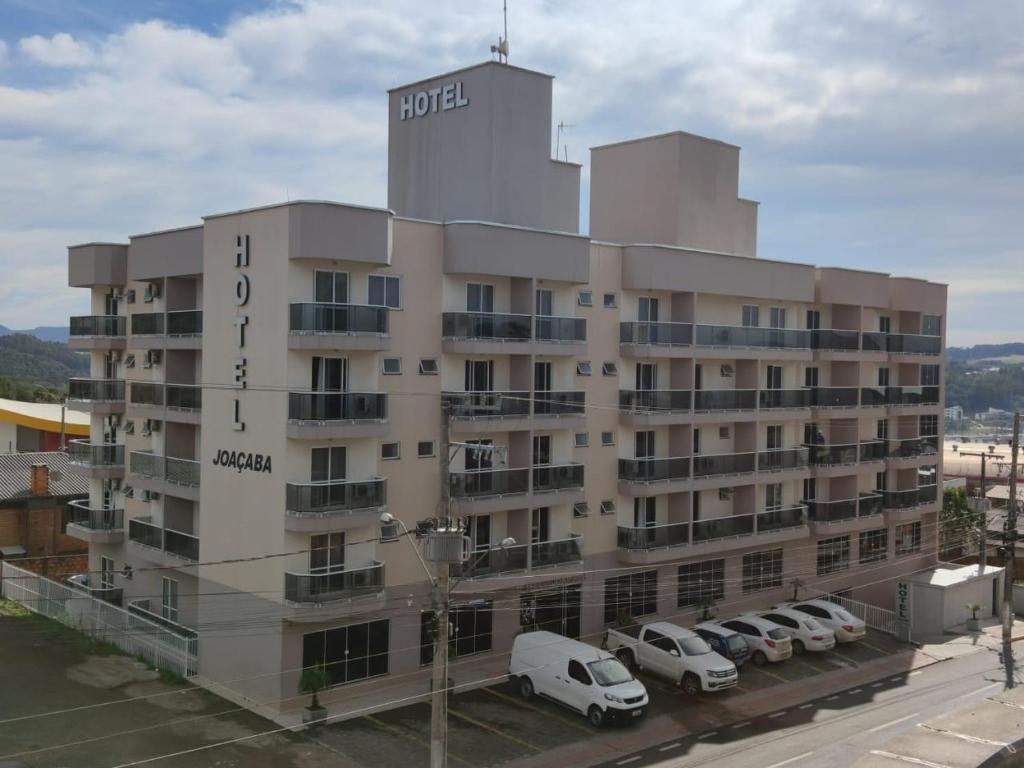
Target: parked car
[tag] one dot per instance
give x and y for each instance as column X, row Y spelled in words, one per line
column 726, row 643
column 673, row 653
column 576, row 675
column 806, row 632
column 768, row 641
column 848, row 628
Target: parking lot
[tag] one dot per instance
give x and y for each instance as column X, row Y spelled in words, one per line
column 491, row 726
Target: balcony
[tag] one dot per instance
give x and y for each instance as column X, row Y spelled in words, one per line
column 333, row 505
column 174, row 402
column 179, row 329
column 325, row 415
column 96, row 525
column 742, row 337
column 489, row 482
column 493, row 333
column 98, row 460
column 780, row 399
column 178, row 545
column 706, row 400
column 913, row 344
column 185, row 322
column 834, row 397
column 557, row 477
column 148, row 324
column 494, row 561
column 653, row 407
column 97, row 332
column 480, row 410
column 96, row 395
column 915, row 395
column 835, row 340
column 724, row 464
column 874, row 397
column 165, row 474
column 652, row 470
column 483, row 491
column 654, row 536
column 905, row 506
column 653, row 339
column 833, row 455
column 873, row 341
column 873, row 450
column 108, row 594
column 338, row 326
column 569, row 403
column 305, row 588
column 844, row 515
column 913, row 447
column 781, row 459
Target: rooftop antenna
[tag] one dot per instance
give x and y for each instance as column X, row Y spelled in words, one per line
column 502, row 47
column 562, row 125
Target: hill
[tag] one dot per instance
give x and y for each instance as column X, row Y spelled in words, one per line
column 984, row 352
column 41, row 332
column 25, row 358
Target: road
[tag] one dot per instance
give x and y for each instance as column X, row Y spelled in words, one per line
column 835, row 730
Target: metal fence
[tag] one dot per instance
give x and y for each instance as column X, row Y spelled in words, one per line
column 877, row 618
column 75, row 608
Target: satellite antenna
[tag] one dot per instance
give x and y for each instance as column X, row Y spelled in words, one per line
column 562, row 125
column 502, row 47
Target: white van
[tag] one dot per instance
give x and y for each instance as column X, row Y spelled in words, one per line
column 577, row 675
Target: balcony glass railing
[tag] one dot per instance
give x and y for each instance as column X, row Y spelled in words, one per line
column 489, row 561
column 337, row 406
column 489, row 482
column 734, row 336
column 724, row 464
column 185, row 322
column 184, row 397
column 547, row 554
column 488, row 326
column 913, row 344
column 148, row 324
column 146, row 463
column 182, row 471
column 557, row 477
column 768, row 399
column 907, row 499
column 781, row 519
column 95, row 519
column 142, row 531
column 487, row 405
column 834, row 397
column 333, row 585
column 655, row 400
column 337, row 318
column 873, row 341
column 183, row 545
column 96, row 390
column 723, row 528
column 558, row 403
column 654, row 536
column 832, row 455
column 912, row 447
column 663, row 334
column 95, row 455
column 146, row 393
column 873, row 450
column 335, row 497
column 869, row 504
column 873, row 397
column 912, row 395
column 650, row 470
column 560, row 329
column 830, row 511
column 835, row 340
column 724, row 399
column 781, row 458
column 97, row 325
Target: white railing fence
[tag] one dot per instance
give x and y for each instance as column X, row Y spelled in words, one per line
column 75, row 608
column 877, row 618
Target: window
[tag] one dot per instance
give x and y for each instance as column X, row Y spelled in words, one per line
column 874, row 545
column 607, row 507
column 610, row 300
column 479, row 297
column 908, row 538
column 635, row 594
column 882, row 429
column 607, row 438
column 582, row 439
column 929, row 375
column 762, row 570
column 385, row 291
column 428, row 367
column 392, row 366
column 355, row 652
column 425, row 448
column 609, row 369
column 931, row 325
column 833, row 555
column 723, row 433
column 928, row 425
column 927, row 474
column 811, row 377
column 169, row 599
column 579, row 673
column 777, row 317
column 581, row 509
column 773, row 497
column 884, row 324
column 583, row 368
column 813, row 319
column 330, row 287
column 810, row 489
column 773, row 437
column 471, row 628
column 751, row 316
column 390, row 451
column 327, row 552
column 106, row 573
column 661, row 642
column 129, row 360
column 585, row 298
column 701, row 582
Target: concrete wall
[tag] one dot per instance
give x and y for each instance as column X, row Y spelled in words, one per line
column 490, row 249
column 166, row 254
column 97, row 264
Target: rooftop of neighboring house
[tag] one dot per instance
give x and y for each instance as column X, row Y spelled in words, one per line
column 16, row 477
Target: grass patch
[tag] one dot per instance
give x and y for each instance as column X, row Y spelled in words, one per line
column 12, row 610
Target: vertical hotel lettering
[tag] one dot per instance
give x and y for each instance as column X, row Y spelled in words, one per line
column 238, row 363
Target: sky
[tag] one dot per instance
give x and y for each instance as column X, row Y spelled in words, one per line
column 877, row 135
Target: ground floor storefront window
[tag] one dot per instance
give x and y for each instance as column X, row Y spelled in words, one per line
column 348, row 653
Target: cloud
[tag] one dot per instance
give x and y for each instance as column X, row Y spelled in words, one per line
column 877, row 136
column 61, row 50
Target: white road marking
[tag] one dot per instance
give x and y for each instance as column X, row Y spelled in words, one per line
column 778, row 714
column 629, row 760
column 805, row 706
column 906, row 759
column 855, row 690
column 915, row 672
column 744, row 724
column 791, row 760
column 979, row 690
column 883, row 726
column 877, row 685
column 831, row 698
column 667, row 747
column 708, row 735
column 962, row 736
column 895, row 679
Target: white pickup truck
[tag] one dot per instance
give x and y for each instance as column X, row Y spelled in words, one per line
column 673, row 653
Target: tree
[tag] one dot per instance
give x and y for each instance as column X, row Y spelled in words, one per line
column 958, row 525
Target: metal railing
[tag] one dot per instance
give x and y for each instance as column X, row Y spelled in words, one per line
column 568, row 403
column 487, row 405
column 146, row 463
column 312, row 317
column 723, row 528
column 655, row 400
column 654, row 536
column 780, row 519
column 146, row 393
column 768, row 399
column 912, row 395
column 87, row 454
column 833, row 455
column 99, row 619
column 724, row 399
column 909, row 498
column 485, row 325
column 835, row 340
column 184, row 545
column 335, row 497
column 834, row 397
column 141, row 531
column 314, row 588
column 873, row 450
column 874, row 397
column 881, row 619
column 489, row 482
column 557, row 477
column 559, row 329
column 651, row 470
column 337, row 406
column 547, row 554
column 834, row 510
column 148, row 324
column 94, row 518
column 873, row 341
column 489, row 561
column 663, row 334
column 185, row 322
column 742, row 336
column 182, row 471
column 97, row 325
column 96, row 390
column 912, row 447
column 724, row 464
column 184, row 397
column 781, row 458
column 913, row 344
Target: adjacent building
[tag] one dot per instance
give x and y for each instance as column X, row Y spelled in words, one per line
column 651, row 419
column 34, row 427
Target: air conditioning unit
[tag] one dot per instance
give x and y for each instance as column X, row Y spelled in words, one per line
column 149, row 426
column 727, row 371
column 150, row 496
column 129, row 492
column 152, row 292
column 129, row 360
column 724, row 494
column 128, row 427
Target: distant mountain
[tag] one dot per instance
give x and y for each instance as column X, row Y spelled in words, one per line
column 49, row 363
column 984, row 352
column 42, row 332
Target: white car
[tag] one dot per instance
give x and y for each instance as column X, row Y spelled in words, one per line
column 848, row 628
column 767, row 640
column 806, row 632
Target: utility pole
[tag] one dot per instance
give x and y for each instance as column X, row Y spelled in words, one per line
column 983, row 518
column 1009, row 560
column 439, row 676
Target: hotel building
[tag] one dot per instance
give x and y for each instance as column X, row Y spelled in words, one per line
column 671, row 420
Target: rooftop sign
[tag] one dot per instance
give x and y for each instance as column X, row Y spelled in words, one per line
column 441, row 99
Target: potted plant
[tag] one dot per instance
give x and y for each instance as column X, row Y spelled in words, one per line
column 313, row 680
column 973, row 623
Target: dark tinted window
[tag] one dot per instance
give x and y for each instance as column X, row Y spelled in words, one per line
column 784, row 621
column 578, row 672
column 660, row 641
column 741, row 626
column 813, row 610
